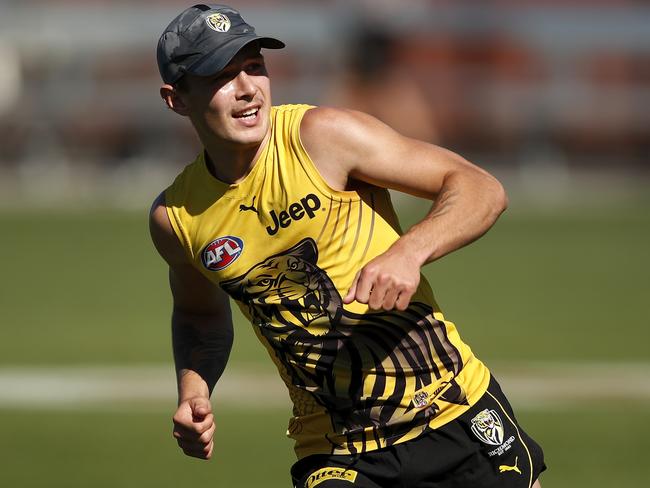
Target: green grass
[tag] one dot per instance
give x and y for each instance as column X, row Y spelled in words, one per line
column 558, row 287
column 136, row 450
column 82, row 288
column 67, row 449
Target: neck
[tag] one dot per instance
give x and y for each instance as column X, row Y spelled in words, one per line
column 231, row 163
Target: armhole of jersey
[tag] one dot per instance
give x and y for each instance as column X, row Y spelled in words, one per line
column 180, row 232
column 309, row 167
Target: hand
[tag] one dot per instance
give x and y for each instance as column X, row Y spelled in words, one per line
column 387, row 281
column 194, row 427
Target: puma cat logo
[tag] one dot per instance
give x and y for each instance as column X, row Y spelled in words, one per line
column 504, row 467
column 251, row 208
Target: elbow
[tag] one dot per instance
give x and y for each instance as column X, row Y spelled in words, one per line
column 501, row 197
column 498, row 200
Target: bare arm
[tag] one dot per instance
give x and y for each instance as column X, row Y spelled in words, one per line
column 348, row 146
column 201, row 337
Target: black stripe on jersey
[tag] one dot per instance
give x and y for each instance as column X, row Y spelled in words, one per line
column 449, row 355
column 413, row 354
column 372, row 226
column 445, row 350
column 359, row 221
column 336, row 220
column 329, row 212
column 347, row 225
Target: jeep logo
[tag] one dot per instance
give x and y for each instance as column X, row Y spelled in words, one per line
column 297, row 210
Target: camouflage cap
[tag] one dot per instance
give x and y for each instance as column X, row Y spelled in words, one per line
column 203, row 39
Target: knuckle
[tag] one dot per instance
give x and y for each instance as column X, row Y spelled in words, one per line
column 383, row 278
column 369, row 271
column 408, row 288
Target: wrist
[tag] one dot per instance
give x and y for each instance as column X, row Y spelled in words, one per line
column 411, row 244
column 191, row 385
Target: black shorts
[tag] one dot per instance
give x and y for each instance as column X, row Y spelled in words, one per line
column 484, row 447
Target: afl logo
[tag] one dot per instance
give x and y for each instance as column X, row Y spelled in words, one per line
column 218, row 22
column 222, row 252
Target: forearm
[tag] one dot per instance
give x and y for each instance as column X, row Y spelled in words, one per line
column 464, row 209
column 201, row 346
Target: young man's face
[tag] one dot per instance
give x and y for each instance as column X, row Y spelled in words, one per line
column 232, row 106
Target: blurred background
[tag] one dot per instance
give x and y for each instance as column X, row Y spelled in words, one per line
column 552, row 97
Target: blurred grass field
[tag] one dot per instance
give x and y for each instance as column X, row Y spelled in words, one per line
column 85, row 288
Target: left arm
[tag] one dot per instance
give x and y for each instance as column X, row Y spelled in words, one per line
column 347, row 146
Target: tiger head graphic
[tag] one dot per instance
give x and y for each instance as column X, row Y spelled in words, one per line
column 290, row 288
column 487, row 426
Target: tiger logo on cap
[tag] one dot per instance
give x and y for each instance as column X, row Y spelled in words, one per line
column 218, row 22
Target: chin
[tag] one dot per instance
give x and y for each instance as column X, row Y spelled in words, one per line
column 250, row 136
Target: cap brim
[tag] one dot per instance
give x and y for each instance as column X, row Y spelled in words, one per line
column 219, row 58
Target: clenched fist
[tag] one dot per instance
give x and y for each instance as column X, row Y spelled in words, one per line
column 194, row 427
column 386, row 282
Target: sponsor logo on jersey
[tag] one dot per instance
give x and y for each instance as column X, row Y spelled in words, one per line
column 218, row 22
column 296, row 211
column 249, row 208
column 222, row 252
column 317, row 477
column 504, row 467
column 487, row 426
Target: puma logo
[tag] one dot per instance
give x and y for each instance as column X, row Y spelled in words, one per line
column 251, row 208
column 504, row 467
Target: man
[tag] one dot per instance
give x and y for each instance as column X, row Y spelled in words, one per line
column 286, row 211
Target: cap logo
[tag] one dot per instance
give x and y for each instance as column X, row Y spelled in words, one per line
column 218, row 22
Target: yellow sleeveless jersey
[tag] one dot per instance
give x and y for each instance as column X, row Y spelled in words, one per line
column 286, row 247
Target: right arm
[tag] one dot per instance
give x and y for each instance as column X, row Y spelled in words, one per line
column 201, row 337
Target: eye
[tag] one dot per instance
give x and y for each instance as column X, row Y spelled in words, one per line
column 255, row 67
column 264, row 282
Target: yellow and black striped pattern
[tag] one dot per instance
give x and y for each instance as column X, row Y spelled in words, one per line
column 359, row 379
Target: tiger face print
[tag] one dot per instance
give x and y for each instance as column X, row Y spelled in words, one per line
column 363, row 368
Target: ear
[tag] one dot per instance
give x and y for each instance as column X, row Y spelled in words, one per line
column 173, row 99
column 306, row 249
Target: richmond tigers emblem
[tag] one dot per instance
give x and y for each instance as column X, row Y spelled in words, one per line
column 487, row 426
column 364, row 368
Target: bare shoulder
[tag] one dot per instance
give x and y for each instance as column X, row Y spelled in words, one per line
column 163, row 235
column 348, row 145
column 326, row 129
column 340, row 140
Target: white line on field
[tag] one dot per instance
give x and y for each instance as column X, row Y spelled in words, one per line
column 528, row 385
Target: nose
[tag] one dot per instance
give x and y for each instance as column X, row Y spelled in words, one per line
column 245, row 87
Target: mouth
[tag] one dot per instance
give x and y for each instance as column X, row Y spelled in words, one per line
column 248, row 116
column 310, row 308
